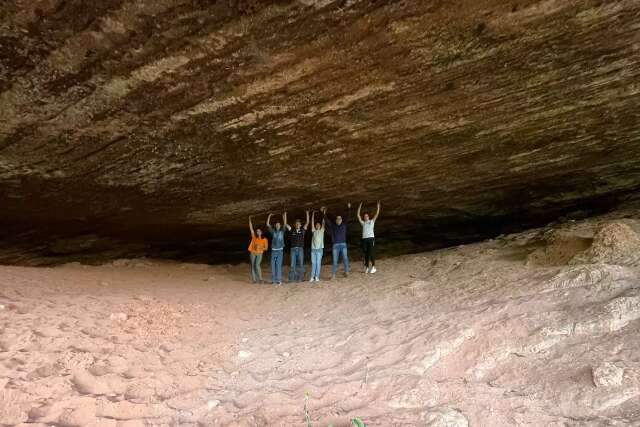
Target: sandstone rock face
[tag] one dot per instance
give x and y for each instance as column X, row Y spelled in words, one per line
column 170, row 121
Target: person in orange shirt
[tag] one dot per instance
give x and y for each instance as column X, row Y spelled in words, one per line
column 258, row 245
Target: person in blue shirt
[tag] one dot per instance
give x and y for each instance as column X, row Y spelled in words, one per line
column 338, row 231
column 277, row 248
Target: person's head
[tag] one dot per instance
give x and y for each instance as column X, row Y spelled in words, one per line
column 298, row 224
column 338, row 219
column 365, row 216
column 259, row 232
column 318, row 226
column 278, row 226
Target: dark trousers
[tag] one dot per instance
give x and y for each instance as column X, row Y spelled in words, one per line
column 368, row 246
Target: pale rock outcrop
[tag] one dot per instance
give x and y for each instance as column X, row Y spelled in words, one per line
column 446, row 417
column 607, row 374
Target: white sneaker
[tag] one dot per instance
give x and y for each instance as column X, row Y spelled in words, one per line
column 312, row 280
column 367, row 270
column 372, row 270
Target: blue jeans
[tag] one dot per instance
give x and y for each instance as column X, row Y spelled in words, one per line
column 297, row 260
column 339, row 249
column 316, row 263
column 276, row 265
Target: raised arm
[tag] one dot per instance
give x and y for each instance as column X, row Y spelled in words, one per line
column 377, row 211
column 269, row 220
column 359, row 217
column 306, row 225
column 284, row 221
column 322, row 228
column 325, row 217
column 251, row 226
column 313, row 218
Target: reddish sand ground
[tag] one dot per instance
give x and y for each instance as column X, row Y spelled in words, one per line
column 534, row 329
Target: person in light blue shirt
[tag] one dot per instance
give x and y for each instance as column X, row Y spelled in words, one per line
column 277, row 248
column 317, row 248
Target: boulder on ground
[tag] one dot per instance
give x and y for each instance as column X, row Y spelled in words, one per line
column 446, row 417
column 607, row 374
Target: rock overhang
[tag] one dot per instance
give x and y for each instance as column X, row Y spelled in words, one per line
column 164, row 124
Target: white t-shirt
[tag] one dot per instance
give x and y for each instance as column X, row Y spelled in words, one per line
column 317, row 241
column 367, row 228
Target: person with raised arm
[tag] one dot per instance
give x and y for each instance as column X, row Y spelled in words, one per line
column 368, row 238
column 297, row 249
column 258, row 245
column 338, row 231
column 317, row 248
column 277, row 248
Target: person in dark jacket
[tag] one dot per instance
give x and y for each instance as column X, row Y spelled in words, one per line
column 297, row 248
column 338, row 231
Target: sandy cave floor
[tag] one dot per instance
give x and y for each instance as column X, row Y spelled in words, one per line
column 534, row 329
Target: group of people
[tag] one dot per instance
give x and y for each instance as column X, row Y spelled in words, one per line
column 338, row 230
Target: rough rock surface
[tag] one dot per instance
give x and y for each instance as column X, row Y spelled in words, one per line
column 170, row 120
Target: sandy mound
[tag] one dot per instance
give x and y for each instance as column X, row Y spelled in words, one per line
column 560, row 246
column 467, row 336
column 613, row 243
